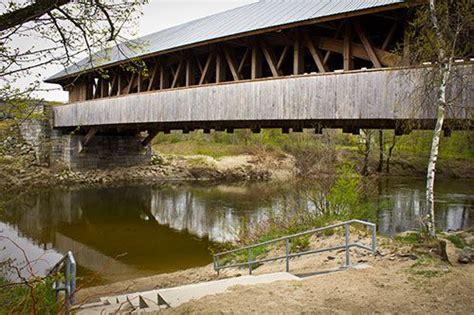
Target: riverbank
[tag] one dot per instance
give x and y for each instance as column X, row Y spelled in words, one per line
column 244, row 156
column 22, row 173
column 405, row 276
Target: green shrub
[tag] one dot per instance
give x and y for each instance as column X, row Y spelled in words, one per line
column 456, row 240
column 38, row 297
column 299, row 244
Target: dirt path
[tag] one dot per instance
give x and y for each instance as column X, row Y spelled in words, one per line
column 387, row 287
column 397, row 280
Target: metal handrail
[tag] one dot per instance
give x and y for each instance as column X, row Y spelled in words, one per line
column 347, row 245
column 68, row 262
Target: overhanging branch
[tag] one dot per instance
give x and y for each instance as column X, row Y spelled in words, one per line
column 28, row 13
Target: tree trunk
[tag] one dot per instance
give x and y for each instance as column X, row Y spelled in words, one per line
column 430, row 175
column 390, row 152
column 381, row 151
column 367, row 147
column 444, row 69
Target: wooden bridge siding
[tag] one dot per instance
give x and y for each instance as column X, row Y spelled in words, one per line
column 373, row 94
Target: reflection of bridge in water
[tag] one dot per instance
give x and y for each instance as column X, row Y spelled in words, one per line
column 109, row 268
column 165, row 228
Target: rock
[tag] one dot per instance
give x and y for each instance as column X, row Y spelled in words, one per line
column 406, row 233
column 408, row 255
column 452, row 252
column 469, row 241
column 466, row 256
column 331, row 257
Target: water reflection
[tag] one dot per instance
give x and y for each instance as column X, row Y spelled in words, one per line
column 216, row 212
column 403, row 204
column 126, row 232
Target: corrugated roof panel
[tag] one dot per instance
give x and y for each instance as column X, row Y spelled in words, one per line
column 251, row 17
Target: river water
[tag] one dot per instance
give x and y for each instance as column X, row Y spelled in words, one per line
column 128, row 232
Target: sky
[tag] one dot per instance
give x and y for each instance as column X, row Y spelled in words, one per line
column 157, row 15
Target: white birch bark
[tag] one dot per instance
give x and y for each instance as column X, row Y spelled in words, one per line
column 430, row 175
column 442, row 83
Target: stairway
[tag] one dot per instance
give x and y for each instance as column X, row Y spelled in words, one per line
column 156, row 300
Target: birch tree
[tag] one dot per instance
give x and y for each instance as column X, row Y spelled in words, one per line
column 441, row 33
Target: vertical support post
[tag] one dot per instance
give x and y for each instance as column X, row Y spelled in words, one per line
column 406, row 49
column 255, row 64
column 287, row 252
column 347, row 49
column 139, row 82
column 189, row 71
column 374, row 238
column 119, row 84
column 250, row 260
column 298, row 61
column 89, row 88
column 348, row 259
column 220, row 69
column 164, row 78
column 104, row 88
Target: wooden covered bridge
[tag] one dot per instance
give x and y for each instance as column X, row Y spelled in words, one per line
column 271, row 64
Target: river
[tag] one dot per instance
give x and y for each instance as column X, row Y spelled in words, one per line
column 128, row 232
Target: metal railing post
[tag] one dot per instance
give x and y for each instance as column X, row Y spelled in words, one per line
column 347, row 236
column 70, row 277
column 250, row 260
column 374, row 238
column 216, row 264
column 345, row 246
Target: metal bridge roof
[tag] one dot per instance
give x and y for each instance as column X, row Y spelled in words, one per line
column 252, row 17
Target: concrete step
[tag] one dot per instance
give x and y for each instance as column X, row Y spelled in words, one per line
column 154, row 300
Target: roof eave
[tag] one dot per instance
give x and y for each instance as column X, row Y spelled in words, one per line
column 243, row 34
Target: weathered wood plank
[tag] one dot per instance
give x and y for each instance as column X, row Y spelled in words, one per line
column 370, row 95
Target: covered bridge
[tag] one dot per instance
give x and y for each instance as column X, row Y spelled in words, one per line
column 270, row 64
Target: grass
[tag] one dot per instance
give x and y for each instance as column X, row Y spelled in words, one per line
column 426, row 267
column 242, row 256
column 187, row 148
column 299, row 244
column 424, row 261
column 426, row 273
column 219, row 144
column 417, row 144
column 456, row 240
column 409, row 239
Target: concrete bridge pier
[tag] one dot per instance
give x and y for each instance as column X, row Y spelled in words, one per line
column 95, row 150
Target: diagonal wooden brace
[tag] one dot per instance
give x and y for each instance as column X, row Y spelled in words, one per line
column 151, row 134
column 90, row 134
